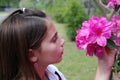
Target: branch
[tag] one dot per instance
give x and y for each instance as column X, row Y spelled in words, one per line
column 111, row 14
column 103, row 5
column 101, row 8
column 111, row 11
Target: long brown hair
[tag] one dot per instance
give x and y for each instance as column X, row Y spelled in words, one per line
column 20, row 31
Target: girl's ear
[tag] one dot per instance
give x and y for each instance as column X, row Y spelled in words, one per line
column 31, row 55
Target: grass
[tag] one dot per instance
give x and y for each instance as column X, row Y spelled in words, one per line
column 2, row 12
column 75, row 64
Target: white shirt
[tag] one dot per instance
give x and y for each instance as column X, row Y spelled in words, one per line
column 54, row 74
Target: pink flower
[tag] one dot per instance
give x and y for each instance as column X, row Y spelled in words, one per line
column 82, row 38
column 118, row 2
column 100, row 30
column 94, row 49
column 117, row 42
column 116, row 21
column 113, row 3
column 93, row 35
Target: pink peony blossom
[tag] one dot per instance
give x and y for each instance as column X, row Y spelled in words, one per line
column 100, row 30
column 116, row 32
column 94, row 49
column 113, row 3
column 82, row 38
column 94, row 33
column 117, row 42
column 118, row 2
column 116, row 20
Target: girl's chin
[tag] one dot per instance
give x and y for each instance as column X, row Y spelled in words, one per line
column 59, row 60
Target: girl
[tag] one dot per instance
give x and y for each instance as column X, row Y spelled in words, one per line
column 29, row 44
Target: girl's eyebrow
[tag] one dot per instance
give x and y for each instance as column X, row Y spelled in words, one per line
column 55, row 35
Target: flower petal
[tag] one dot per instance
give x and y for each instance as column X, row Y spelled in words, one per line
column 101, row 41
column 90, row 49
column 99, row 52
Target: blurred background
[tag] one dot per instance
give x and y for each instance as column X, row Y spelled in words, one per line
column 68, row 16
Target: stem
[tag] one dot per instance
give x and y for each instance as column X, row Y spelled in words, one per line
column 111, row 76
column 101, row 8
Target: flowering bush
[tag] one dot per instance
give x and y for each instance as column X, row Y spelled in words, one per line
column 99, row 32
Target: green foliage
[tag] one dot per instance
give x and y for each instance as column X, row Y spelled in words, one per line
column 45, row 4
column 59, row 16
column 74, row 17
column 9, row 3
column 111, row 44
column 97, row 12
column 58, row 10
column 30, row 4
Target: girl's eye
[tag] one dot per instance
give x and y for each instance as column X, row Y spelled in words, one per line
column 54, row 39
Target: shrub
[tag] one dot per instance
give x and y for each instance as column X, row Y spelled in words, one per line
column 74, row 17
column 59, row 15
column 59, row 10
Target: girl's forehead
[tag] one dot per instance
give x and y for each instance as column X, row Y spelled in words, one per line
column 50, row 25
column 51, row 30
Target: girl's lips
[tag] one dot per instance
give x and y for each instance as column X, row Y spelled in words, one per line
column 62, row 51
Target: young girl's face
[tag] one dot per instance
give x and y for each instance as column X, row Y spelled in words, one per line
column 51, row 47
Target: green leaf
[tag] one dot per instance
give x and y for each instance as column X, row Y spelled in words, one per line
column 113, row 38
column 111, row 44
